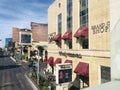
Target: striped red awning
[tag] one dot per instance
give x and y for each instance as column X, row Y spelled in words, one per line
column 57, row 61
column 82, row 31
column 82, row 69
column 57, row 37
column 68, row 61
column 67, row 35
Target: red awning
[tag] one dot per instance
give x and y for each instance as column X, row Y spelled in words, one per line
column 82, row 31
column 58, row 61
column 68, row 61
column 67, row 35
column 57, row 37
column 51, row 60
column 82, row 69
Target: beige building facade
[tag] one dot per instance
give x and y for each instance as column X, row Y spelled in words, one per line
column 86, row 23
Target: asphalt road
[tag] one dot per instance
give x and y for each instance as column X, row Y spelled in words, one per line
column 12, row 76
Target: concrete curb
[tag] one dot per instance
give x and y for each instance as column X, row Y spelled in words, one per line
column 31, row 83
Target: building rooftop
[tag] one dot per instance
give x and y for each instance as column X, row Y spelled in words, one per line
column 25, row 29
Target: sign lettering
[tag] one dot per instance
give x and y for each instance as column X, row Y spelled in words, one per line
column 70, row 54
column 101, row 28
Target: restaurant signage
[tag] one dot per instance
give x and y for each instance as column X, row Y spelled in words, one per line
column 70, row 54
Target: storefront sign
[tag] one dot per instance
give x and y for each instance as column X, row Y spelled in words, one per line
column 101, row 28
column 70, row 54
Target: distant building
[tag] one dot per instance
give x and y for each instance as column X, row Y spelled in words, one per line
column 22, row 36
column 8, row 41
column 15, row 34
column 39, row 31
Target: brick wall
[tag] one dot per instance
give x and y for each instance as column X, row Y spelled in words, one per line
column 39, row 31
column 15, row 34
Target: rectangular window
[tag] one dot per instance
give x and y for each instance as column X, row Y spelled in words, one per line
column 105, row 74
column 69, row 44
column 69, row 14
column 25, row 38
column 84, row 42
column 83, row 12
column 59, row 23
column 69, row 22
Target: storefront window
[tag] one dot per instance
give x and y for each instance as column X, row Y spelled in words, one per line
column 58, row 44
column 105, row 74
column 83, row 42
column 68, row 42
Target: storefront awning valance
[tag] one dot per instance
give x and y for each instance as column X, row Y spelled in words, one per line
column 51, row 60
column 67, row 35
column 82, row 69
column 82, row 31
column 68, row 61
column 57, row 37
column 58, row 61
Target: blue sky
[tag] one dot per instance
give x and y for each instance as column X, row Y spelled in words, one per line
column 19, row 13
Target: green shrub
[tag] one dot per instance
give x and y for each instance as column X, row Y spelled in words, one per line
column 46, row 83
column 45, row 88
column 25, row 57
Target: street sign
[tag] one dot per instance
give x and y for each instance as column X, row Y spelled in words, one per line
column 63, row 73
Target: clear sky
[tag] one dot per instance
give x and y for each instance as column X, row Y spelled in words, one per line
column 20, row 13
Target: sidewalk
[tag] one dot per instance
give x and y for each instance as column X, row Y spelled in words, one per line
column 27, row 76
